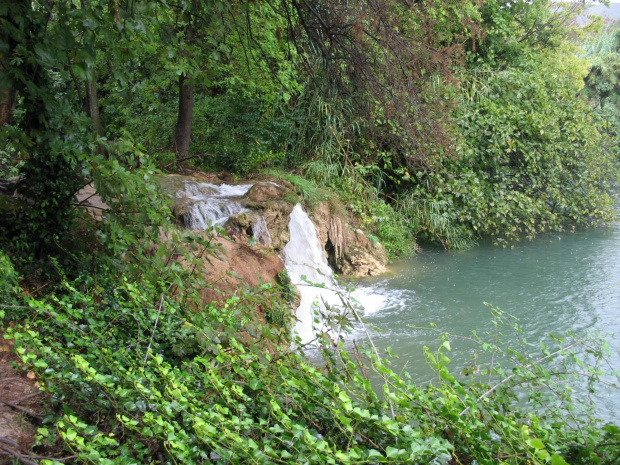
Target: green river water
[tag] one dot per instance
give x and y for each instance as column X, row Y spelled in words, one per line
column 555, row 284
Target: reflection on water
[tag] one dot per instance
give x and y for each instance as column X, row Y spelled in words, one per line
column 556, row 284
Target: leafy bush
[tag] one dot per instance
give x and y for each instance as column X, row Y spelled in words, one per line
column 8, row 282
column 306, row 189
column 392, row 229
column 602, row 85
column 533, row 160
column 434, row 222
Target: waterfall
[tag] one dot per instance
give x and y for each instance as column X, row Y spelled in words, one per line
column 304, row 256
column 306, row 263
column 211, row 204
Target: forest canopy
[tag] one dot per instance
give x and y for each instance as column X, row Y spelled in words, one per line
column 466, row 118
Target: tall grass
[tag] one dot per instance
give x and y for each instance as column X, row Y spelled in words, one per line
column 431, row 220
column 607, row 42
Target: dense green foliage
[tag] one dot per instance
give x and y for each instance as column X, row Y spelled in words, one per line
column 445, row 120
column 524, row 171
column 602, row 85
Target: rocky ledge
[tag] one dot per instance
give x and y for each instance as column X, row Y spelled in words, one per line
column 261, row 215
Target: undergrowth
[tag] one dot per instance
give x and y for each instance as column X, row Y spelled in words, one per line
column 308, row 191
column 137, row 375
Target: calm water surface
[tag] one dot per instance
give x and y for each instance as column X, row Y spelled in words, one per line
column 556, row 284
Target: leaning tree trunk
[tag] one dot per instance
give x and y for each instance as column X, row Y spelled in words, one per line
column 183, row 129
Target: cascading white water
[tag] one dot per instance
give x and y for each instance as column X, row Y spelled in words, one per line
column 213, row 204
column 304, row 256
column 260, row 231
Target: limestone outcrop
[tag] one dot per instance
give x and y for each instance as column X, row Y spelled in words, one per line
column 263, row 217
column 349, row 251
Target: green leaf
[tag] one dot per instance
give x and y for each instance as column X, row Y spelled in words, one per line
column 392, row 452
column 536, row 443
column 70, row 434
column 558, row 460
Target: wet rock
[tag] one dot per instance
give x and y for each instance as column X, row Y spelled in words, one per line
column 249, row 224
column 241, row 223
column 350, row 252
column 360, row 262
column 276, row 216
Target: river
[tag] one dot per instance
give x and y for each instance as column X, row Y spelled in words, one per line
column 556, row 284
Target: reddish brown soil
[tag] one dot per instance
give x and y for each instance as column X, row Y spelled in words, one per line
column 240, row 266
column 20, row 407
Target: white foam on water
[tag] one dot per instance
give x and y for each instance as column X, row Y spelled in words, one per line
column 378, row 298
column 205, row 190
column 208, row 213
column 304, row 257
column 196, row 190
column 228, row 190
column 378, row 302
column 370, row 300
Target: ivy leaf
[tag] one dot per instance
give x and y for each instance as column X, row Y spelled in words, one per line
column 255, row 384
column 536, row 443
column 391, row 452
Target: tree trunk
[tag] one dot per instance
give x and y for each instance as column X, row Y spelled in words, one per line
column 92, row 103
column 8, row 100
column 183, row 129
